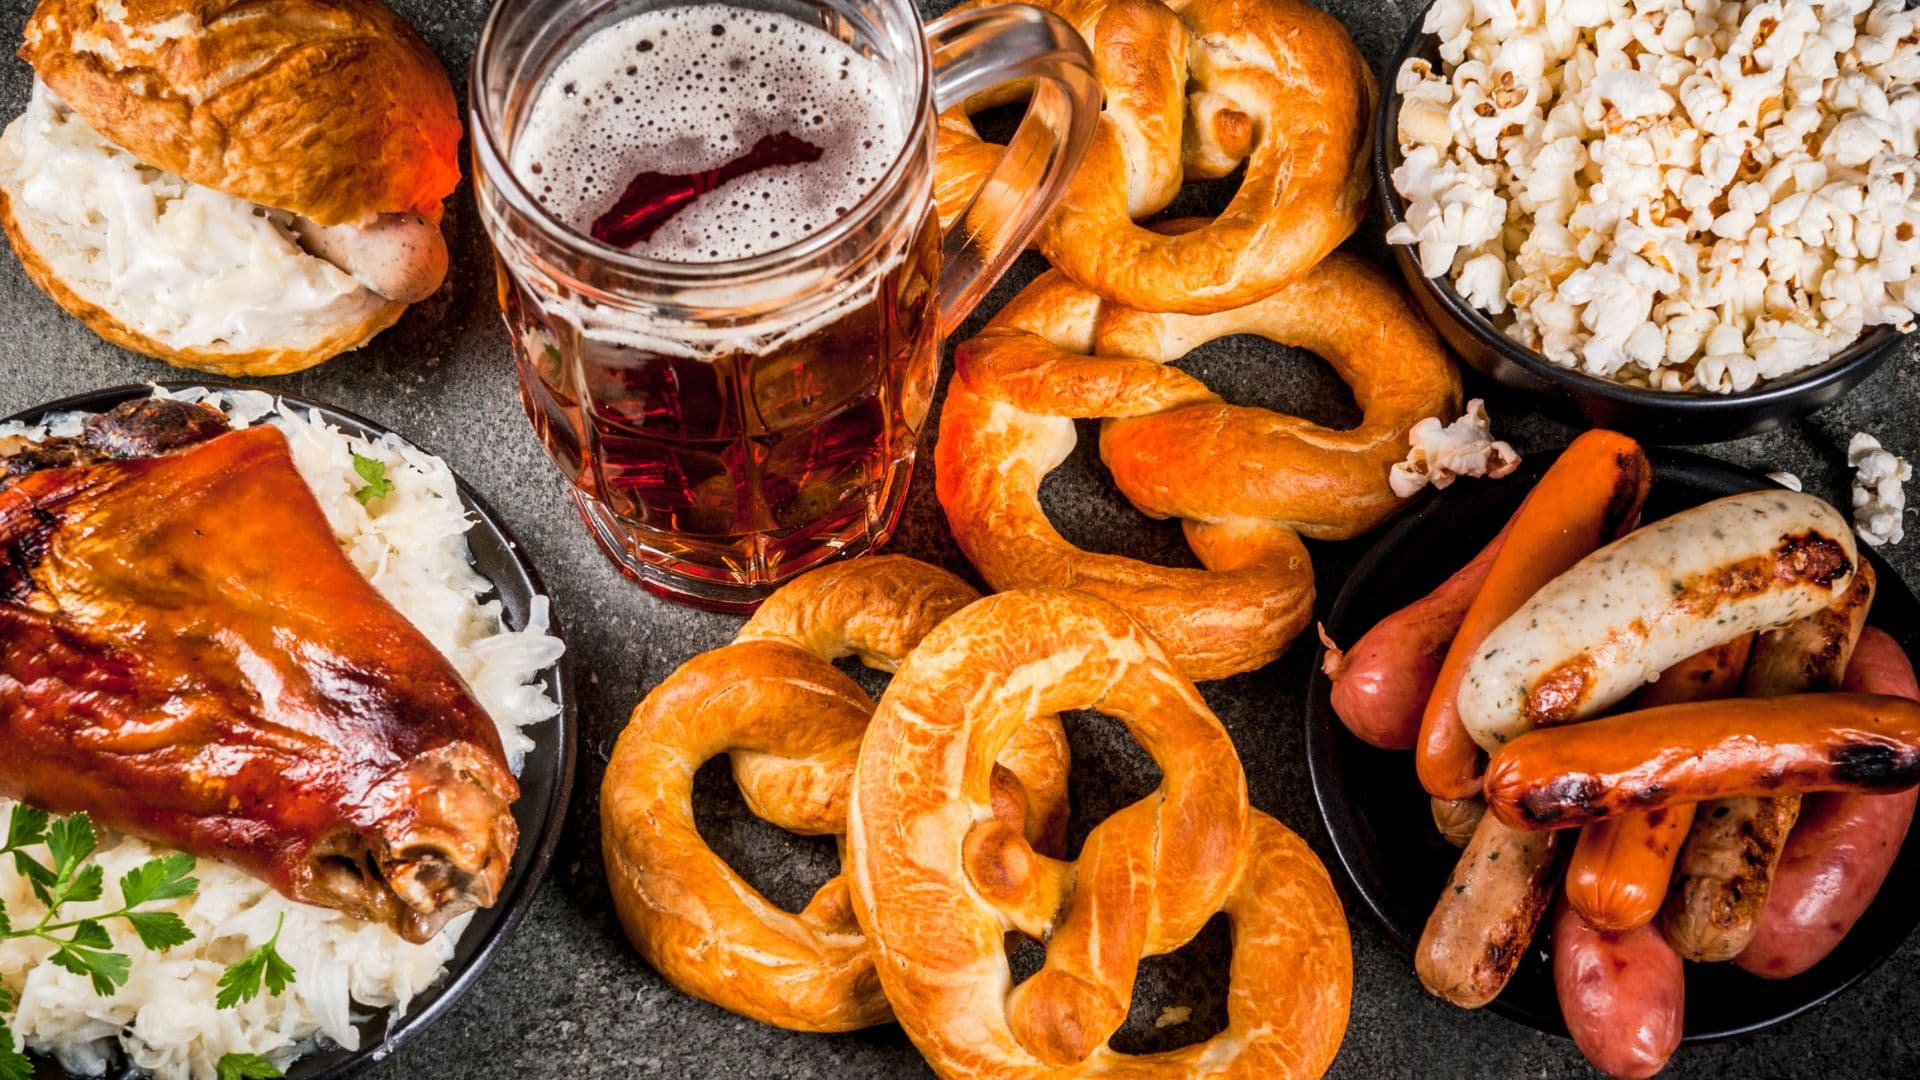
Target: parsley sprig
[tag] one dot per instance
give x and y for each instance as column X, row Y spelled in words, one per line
column 241, row 983
column 67, row 875
column 13, row 1064
column 374, row 472
column 246, row 1067
column 83, row 945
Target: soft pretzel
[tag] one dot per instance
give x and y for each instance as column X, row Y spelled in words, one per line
column 937, row 879
column 1194, row 89
column 793, row 724
column 1247, row 483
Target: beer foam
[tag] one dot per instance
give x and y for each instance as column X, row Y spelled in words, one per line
column 687, row 89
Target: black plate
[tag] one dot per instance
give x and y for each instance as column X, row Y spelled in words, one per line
column 545, row 779
column 1580, row 399
column 1378, row 815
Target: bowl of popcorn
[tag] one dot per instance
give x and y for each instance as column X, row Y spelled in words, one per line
column 1692, row 220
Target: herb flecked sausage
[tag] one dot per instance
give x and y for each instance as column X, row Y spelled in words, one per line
column 1488, row 913
column 1727, row 866
column 1629, row 611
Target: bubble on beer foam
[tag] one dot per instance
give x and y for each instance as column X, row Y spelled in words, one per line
column 686, row 89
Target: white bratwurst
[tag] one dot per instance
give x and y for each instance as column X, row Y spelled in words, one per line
column 1636, row 607
column 402, row 257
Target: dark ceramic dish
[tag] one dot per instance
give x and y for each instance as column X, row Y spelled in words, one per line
column 1652, row 415
column 1378, row 815
column 545, row 780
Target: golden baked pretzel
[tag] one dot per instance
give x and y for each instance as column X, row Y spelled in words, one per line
column 937, row 879
column 1246, row 482
column 793, row 725
column 1195, row 88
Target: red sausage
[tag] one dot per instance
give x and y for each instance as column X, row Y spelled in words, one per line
column 1839, row 854
column 1623, row 995
column 1381, row 685
column 1554, row 778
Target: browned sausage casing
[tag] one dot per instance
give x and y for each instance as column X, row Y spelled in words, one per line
column 1841, row 851
column 1727, row 865
column 1457, row 819
column 1494, row 900
column 1813, row 653
column 1559, row 777
column 1725, row 871
column 1623, row 995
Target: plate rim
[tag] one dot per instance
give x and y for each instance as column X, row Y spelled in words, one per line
column 1323, row 731
column 518, row 899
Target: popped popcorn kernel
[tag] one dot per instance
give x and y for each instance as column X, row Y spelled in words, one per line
column 1879, row 495
column 1442, row 453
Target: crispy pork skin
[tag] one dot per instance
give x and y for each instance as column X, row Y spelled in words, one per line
column 187, row 655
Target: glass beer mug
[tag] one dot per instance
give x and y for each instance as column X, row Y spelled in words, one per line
column 729, row 424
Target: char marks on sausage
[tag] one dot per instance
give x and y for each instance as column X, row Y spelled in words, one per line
column 1597, row 633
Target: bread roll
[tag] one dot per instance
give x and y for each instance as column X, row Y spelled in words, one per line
column 156, row 186
column 335, row 110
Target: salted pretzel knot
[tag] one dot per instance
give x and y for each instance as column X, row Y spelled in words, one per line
column 1246, row 482
column 792, row 723
column 1194, row 89
column 938, row 879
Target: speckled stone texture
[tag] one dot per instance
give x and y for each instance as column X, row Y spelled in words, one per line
column 567, row 998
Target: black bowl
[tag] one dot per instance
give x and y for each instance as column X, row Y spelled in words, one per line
column 1378, row 815
column 546, row 779
column 1657, row 416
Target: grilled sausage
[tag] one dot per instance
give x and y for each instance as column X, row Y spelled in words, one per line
column 1725, row 870
column 1646, row 760
column 1593, row 493
column 1629, row 611
column 1618, row 876
column 1457, row 819
column 1381, row 685
column 1705, row 676
column 1728, row 864
column 1494, row 900
column 1842, row 849
column 1813, row 653
column 1623, row 995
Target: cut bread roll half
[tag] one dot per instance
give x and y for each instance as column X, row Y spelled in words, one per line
column 164, row 267
column 246, row 192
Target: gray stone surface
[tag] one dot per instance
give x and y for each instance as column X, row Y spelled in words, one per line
column 568, row 998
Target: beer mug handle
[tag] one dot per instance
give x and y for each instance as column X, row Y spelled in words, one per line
column 973, row 51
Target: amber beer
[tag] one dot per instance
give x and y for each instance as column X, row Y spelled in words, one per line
column 721, row 268
column 747, row 463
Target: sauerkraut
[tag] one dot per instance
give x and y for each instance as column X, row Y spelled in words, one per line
column 186, row 265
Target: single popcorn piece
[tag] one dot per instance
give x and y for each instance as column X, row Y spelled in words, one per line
column 1483, row 283
column 1787, row 480
column 1442, row 453
column 1879, row 500
column 1688, row 195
